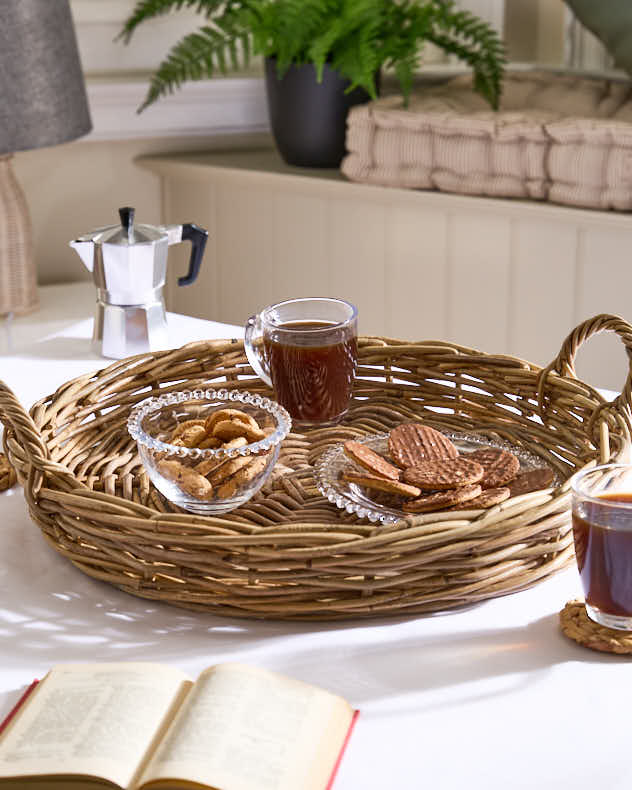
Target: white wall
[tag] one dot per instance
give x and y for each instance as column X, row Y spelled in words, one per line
column 72, row 189
column 98, row 23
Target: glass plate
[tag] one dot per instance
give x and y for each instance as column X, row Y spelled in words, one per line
column 381, row 507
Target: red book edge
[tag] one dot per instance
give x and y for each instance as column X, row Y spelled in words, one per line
column 17, row 706
column 330, row 783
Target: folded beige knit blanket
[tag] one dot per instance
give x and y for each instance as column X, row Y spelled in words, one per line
column 567, row 139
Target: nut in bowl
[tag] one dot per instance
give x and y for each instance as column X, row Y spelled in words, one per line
column 209, row 451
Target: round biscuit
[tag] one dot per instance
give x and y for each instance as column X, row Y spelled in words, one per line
column 227, row 414
column 500, row 466
column 488, row 498
column 442, row 499
column 412, row 442
column 381, row 484
column 441, row 475
column 181, row 427
column 368, row 459
column 533, row 480
column 234, row 427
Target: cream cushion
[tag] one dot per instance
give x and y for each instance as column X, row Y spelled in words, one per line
column 567, row 139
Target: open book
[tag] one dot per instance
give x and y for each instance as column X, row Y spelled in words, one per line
column 137, row 725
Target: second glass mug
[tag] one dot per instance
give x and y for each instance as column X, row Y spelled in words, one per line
column 602, row 530
column 306, row 350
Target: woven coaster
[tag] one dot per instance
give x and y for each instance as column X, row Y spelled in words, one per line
column 576, row 624
column 8, row 477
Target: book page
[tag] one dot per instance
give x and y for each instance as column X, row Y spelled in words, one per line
column 243, row 728
column 92, row 719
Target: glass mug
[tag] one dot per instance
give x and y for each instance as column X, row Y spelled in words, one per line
column 602, row 530
column 306, row 350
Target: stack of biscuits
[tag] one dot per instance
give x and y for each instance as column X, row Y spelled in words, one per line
column 426, row 472
column 215, row 477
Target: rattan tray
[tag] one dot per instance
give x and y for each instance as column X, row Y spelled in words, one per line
column 289, row 553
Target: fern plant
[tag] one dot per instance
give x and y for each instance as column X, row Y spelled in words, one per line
column 355, row 37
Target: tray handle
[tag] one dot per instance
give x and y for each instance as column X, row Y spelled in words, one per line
column 564, row 365
column 13, row 416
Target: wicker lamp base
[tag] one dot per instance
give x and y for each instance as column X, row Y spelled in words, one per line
column 18, row 281
column 576, row 625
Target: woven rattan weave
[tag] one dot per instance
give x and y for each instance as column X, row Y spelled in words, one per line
column 576, row 625
column 289, row 553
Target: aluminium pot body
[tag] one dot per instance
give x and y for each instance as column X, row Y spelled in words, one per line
column 309, row 118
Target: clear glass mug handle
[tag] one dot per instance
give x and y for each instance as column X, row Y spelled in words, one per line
column 254, row 334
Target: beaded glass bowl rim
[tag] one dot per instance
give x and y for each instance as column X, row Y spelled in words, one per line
column 341, row 499
column 154, row 404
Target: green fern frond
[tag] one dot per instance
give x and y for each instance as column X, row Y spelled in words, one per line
column 408, row 24
column 473, row 41
column 356, row 37
column 289, row 27
column 351, row 43
column 150, row 9
column 197, row 56
column 405, row 70
column 358, row 59
column 246, row 48
column 322, row 44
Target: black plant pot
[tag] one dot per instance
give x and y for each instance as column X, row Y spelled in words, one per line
column 308, row 118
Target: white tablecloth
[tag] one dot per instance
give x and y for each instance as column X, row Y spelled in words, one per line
column 490, row 698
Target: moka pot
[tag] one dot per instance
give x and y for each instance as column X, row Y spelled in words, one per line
column 129, row 266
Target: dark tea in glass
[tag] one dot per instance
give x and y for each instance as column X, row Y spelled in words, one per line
column 308, row 354
column 312, row 376
column 602, row 530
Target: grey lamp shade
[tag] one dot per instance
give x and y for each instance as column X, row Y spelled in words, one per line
column 42, row 92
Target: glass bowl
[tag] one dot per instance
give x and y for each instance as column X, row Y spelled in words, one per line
column 204, row 479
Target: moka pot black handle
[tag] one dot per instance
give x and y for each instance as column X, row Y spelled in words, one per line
column 198, row 237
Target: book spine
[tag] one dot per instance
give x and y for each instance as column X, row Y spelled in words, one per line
column 343, row 748
column 17, row 706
